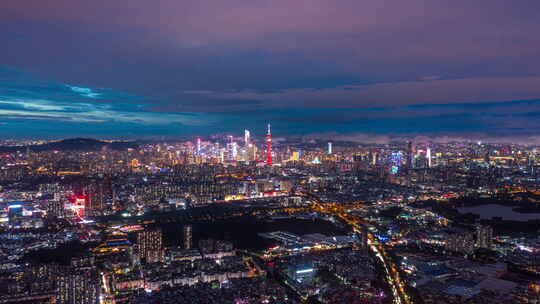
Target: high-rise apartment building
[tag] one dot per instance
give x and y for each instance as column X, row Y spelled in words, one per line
column 484, row 236
column 78, row 286
column 151, row 245
column 460, row 241
column 55, row 208
column 188, row 236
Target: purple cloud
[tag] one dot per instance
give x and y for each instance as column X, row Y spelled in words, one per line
column 239, row 55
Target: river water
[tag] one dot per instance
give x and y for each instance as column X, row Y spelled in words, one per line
column 493, row 210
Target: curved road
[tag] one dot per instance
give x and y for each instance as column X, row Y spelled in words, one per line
column 392, row 274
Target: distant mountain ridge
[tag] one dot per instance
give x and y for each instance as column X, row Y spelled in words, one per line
column 74, row 144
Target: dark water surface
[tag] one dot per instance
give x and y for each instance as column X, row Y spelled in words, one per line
column 243, row 232
column 489, row 211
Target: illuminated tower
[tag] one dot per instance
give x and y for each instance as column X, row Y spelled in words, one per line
column 269, row 147
column 234, row 151
column 246, row 137
column 329, row 148
column 198, row 145
column 428, row 156
column 410, row 155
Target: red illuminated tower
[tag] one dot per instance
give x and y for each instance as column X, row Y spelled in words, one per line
column 269, row 147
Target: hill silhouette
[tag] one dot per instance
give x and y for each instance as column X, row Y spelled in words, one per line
column 74, row 144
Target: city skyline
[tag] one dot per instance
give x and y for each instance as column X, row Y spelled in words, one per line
column 136, row 69
column 249, row 218
column 269, row 151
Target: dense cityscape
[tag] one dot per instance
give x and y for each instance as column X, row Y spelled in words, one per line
column 250, row 219
column 269, row 152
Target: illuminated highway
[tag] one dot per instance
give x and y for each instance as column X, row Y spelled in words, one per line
column 393, row 278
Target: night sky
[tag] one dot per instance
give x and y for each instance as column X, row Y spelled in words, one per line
column 341, row 68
